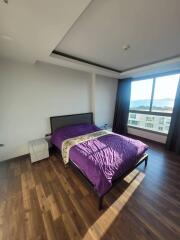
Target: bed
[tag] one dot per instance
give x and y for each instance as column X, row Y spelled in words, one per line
column 102, row 158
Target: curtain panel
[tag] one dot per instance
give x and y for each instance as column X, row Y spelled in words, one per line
column 122, row 106
column 173, row 138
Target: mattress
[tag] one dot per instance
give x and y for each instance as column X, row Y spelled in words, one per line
column 102, row 159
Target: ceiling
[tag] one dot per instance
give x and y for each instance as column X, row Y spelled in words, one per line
column 94, row 30
column 150, row 27
column 31, row 29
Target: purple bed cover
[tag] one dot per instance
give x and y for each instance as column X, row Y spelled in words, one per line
column 103, row 159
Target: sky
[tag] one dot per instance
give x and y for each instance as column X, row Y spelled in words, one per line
column 165, row 87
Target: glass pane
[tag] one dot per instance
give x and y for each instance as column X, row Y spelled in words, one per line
column 165, row 92
column 149, row 122
column 141, row 95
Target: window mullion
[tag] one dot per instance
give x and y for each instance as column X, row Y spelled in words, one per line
column 152, row 95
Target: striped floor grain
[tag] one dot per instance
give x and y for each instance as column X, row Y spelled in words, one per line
column 47, row 201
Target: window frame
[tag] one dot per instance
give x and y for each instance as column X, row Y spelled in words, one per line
column 150, row 112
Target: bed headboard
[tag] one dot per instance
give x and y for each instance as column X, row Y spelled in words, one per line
column 66, row 120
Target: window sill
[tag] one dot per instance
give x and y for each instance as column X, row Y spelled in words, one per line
column 147, row 130
column 148, row 112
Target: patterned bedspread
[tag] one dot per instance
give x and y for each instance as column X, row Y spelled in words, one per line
column 70, row 142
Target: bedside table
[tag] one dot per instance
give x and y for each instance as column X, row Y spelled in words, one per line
column 38, row 149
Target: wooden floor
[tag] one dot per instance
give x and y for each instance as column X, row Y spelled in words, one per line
column 46, row 201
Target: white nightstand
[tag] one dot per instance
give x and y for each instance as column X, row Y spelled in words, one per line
column 38, row 149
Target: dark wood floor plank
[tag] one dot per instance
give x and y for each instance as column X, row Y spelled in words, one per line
column 46, row 201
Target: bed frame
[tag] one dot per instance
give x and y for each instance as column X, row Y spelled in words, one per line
column 66, row 120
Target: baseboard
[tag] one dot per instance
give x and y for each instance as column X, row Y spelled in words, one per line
column 16, row 158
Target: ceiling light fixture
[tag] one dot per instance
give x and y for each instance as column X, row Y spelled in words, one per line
column 126, row 47
column 5, row 1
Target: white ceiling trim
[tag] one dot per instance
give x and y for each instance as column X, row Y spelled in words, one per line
column 156, row 68
column 77, row 65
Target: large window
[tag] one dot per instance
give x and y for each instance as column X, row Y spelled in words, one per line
column 141, row 95
column 164, row 93
column 152, row 102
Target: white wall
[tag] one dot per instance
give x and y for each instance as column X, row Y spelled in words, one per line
column 105, row 100
column 30, row 94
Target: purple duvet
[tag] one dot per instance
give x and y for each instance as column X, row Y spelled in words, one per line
column 103, row 159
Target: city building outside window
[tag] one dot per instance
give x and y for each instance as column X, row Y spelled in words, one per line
column 152, row 102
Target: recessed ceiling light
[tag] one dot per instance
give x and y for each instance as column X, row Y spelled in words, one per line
column 126, row 47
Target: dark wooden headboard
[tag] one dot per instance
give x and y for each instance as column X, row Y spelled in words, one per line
column 66, row 120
